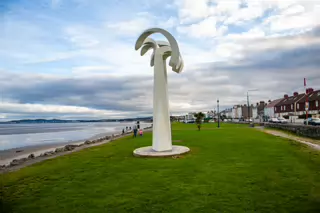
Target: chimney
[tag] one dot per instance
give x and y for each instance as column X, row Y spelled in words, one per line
column 286, row 96
column 309, row 90
column 295, row 94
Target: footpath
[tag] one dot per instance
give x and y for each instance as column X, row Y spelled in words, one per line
column 315, row 144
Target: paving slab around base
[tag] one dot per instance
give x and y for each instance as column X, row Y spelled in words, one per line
column 149, row 152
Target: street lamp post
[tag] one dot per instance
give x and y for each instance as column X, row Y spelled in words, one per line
column 248, row 106
column 249, row 103
column 218, row 114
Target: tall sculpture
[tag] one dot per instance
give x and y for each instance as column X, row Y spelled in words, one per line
column 161, row 138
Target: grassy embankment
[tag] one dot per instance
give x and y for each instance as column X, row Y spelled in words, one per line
column 231, row 169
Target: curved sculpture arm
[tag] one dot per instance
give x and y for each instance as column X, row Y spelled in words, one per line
column 148, row 44
column 166, row 55
column 163, row 43
column 164, row 49
column 179, row 69
column 174, row 61
column 145, row 49
column 150, row 41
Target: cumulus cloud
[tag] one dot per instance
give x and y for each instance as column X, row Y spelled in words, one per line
column 87, row 67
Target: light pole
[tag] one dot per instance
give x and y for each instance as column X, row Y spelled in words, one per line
column 248, row 102
column 218, row 114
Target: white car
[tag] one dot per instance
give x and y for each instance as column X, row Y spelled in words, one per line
column 282, row 120
column 274, row 120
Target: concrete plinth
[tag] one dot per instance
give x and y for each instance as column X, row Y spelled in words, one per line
column 149, row 152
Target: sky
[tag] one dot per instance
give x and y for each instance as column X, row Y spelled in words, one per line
column 75, row 59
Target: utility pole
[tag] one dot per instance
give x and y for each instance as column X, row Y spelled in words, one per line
column 218, row 114
column 307, row 103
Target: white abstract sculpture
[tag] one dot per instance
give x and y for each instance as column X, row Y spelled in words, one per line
column 161, row 138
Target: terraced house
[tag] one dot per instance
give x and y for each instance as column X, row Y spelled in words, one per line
column 287, row 106
column 314, row 104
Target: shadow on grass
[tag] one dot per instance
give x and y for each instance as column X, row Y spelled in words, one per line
column 5, row 206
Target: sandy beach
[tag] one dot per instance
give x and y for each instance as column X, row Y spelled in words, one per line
column 6, row 156
column 17, row 153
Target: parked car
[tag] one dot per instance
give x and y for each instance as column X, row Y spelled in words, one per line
column 312, row 121
column 282, row 120
column 274, row 120
column 305, row 121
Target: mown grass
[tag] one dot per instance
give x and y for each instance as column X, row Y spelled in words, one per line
column 231, row 169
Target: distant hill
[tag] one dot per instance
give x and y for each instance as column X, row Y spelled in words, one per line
column 29, row 121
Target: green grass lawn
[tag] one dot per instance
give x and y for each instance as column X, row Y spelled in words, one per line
column 231, row 169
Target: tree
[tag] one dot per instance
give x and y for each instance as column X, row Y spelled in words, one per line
column 199, row 117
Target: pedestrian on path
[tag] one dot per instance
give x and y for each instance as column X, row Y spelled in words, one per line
column 135, row 130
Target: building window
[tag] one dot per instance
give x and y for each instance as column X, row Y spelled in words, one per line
column 275, row 109
column 284, row 107
column 317, row 103
column 291, row 106
column 297, row 105
column 281, row 108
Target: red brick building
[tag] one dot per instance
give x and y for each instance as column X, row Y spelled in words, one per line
column 314, row 103
column 287, row 106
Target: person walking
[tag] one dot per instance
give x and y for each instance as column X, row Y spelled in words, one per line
column 135, row 130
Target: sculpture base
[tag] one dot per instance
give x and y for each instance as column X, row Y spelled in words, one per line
column 149, row 152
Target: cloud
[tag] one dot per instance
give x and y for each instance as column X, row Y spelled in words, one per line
column 196, row 89
column 131, row 27
column 204, row 29
column 76, row 59
column 190, row 10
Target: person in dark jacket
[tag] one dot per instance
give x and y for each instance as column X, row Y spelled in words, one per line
column 135, row 130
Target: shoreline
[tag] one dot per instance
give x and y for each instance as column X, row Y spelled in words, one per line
column 8, row 155
column 34, row 154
